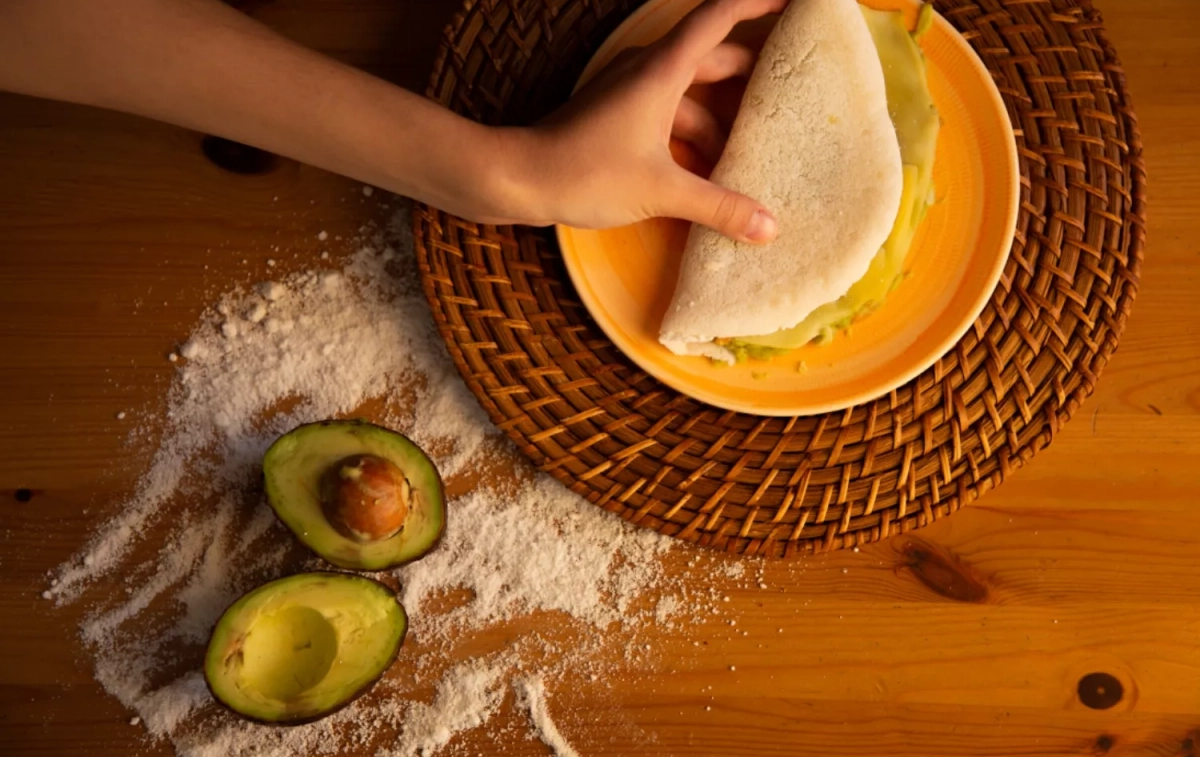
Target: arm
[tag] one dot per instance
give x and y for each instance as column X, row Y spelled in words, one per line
column 207, row 67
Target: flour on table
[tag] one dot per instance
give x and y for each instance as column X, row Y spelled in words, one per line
column 195, row 533
column 531, row 695
column 537, row 547
column 467, row 697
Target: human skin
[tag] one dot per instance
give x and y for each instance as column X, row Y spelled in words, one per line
column 602, row 160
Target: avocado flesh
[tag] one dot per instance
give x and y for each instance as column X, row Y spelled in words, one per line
column 301, row 647
column 293, row 469
column 916, row 121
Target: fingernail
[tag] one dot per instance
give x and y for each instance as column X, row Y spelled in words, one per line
column 762, row 227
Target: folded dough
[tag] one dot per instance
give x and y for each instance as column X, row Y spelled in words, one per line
column 813, row 141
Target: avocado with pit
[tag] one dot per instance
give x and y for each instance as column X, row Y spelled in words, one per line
column 360, row 496
column 299, row 648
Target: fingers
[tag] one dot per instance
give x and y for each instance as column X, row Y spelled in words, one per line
column 707, row 26
column 725, row 61
column 696, row 125
column 725, row 211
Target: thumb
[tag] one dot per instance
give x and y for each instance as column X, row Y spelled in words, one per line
column 730, row 213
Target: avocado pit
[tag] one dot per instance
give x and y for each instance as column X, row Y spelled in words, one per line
column 366, row 497
column 360, row 496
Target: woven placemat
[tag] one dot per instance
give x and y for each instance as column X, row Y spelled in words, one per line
column 580, row 410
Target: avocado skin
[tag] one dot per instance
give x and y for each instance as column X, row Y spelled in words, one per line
column 362, row 423
column 336, row 708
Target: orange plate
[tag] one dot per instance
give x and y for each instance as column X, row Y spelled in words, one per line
column 626, row 276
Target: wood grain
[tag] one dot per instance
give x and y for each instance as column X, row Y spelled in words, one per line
column 968, row 638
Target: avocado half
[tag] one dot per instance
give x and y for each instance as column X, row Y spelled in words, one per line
column 299, row 648
column 297, row 470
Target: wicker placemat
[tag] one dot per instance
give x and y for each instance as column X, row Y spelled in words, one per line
column 580, row 410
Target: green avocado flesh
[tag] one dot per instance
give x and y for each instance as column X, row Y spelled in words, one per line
column 293, row 469
column 298, row 648
column 916, row 121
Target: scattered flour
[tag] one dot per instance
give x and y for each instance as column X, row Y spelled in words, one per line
column 531, row 695
column 467, row 696
column 165, row 708
column 537, row 547
column 195, row 533
column 326, row 342
column 667, row 609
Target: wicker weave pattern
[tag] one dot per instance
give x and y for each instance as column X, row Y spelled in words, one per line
column 546, row 374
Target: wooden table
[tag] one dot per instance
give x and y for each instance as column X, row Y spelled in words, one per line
column 116, row 232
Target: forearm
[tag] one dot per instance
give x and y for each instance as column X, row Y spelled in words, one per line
column 204, row 66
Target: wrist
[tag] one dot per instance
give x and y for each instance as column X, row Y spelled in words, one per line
column 516, row 175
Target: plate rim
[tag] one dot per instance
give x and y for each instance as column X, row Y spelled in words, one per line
column 901, row 378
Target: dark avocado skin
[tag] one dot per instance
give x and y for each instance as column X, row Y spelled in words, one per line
column 338, row 707
column 364, row 423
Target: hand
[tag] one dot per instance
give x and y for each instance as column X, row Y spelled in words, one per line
column 603, row 160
